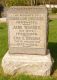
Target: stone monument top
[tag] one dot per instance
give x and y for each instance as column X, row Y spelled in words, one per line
column 27, row 29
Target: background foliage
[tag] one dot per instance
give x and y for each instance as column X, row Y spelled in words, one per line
column 26, row 2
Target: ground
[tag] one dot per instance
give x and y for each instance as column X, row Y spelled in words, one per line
column 52, row 45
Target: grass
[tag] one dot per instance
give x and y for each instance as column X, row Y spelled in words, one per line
column 52, row 45
column 3, row 39
column 52, row 39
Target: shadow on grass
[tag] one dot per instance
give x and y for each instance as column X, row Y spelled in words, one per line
column 53, row 50
column 1, row 28
column 50, row 20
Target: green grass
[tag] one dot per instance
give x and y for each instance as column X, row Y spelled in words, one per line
column 52, row 38
column 53, row 31
column 3, row 39
column 52, row 45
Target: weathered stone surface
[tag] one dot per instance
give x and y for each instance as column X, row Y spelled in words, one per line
column 27, row 29
column 28, row 64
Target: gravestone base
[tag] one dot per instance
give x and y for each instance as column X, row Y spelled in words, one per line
column 27, row 64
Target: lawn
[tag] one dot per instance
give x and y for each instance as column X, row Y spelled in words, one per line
column 52, row 45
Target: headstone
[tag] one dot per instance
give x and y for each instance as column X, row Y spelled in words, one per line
column 27, row 30
column 27, row 38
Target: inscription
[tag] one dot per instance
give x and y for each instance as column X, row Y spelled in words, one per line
column 27, row 30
